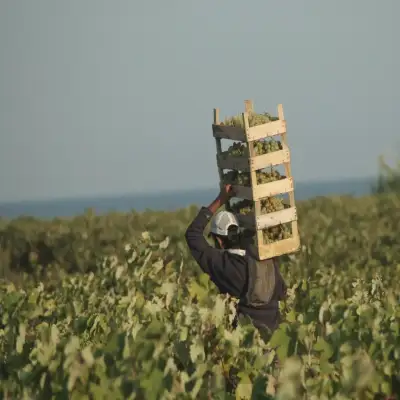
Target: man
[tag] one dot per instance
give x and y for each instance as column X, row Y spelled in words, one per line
column 233, row 267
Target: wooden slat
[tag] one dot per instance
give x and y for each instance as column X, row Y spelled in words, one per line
column 288, row 170
column 266, row 130
column 270, row 159
column 264, row 190
column 248, row 106
column 218, row 146
column 269, row 220
column 247, row 164
column 216, row 116
column 276, row 218
column 229, row 132
column 279, row 248
column 273, row 188
column 253, row 174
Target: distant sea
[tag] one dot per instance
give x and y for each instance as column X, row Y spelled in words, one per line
column 168, row 201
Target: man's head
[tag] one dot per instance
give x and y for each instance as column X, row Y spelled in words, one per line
column 225, row 230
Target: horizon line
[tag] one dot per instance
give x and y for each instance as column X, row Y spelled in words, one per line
column 166, row 191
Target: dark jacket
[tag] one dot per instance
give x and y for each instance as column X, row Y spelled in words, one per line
column 230, row 273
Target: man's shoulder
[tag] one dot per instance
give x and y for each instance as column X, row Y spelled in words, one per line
column 235, row 257
column 238, row 252
column 252, row 254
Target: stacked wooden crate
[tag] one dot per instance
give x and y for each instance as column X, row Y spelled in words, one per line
column 250, row 162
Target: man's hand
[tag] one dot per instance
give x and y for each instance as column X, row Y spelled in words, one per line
column 226, row 193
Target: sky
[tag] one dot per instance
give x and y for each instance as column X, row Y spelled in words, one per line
column 108, row 97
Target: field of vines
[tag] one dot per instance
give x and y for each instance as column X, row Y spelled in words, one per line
column 114, row 307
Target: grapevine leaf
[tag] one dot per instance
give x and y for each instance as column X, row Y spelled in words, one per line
column 244, row 388
column 324, row 348
column 281, row 340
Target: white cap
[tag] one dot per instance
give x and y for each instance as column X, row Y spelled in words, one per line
column 222, row 221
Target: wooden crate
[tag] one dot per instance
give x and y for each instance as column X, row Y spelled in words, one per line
column 251, row 163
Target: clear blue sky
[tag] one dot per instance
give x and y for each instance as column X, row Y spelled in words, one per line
column 109, row 97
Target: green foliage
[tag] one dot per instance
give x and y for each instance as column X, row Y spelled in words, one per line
column 389, row 178
column 122, row 314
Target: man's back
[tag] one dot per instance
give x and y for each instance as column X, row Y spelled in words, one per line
column 270, row 290
column 230, row 272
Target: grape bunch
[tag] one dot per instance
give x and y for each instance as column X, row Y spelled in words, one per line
column 275, row 233
column 243, row 178
column 238, row 149
column 271, row 204
column 254, row 119
column 267, row 146
column 266, row 177
column 243, row 207
column 268, row 205
column 237, row 178
column 261, row 147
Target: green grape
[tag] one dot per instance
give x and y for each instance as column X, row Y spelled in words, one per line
column 271, row 204
column 268, row 205
column 260, row 146
column 266, row 177
column 238, row 149
column 266, row 146
column 275, row 233
column 230, row 177
column 254, row 119
column 243, row 178
column 243, row 207
column 237, row 178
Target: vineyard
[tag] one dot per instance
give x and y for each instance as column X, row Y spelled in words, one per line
column 113, row 307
